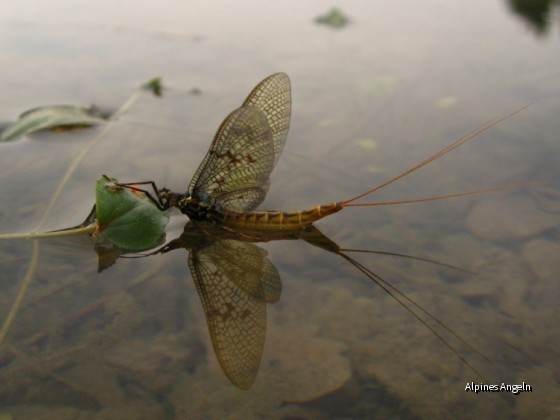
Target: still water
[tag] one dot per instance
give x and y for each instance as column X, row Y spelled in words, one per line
column 370, row 99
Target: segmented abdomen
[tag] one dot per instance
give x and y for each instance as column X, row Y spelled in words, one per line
column 276, row 219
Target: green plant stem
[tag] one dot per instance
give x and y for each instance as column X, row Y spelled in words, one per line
column 21, row 292
column 55, row 233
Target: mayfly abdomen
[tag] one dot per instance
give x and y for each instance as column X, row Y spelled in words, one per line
column 276, row 219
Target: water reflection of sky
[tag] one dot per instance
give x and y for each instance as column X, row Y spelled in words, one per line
column 370, row 99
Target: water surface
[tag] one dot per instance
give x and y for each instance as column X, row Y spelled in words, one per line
column 371, row 99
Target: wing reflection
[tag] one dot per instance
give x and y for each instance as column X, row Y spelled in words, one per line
column 235, row 280
column 230, row 278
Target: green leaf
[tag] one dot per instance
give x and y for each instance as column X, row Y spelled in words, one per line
column 155, row 86
column 127, row 217
column 50, row 117
column 333, row 19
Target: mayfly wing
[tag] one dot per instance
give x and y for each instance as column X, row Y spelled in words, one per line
column 235, row 172
column 274, row 97
column 234, row 281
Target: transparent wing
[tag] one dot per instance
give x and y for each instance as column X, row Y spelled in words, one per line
column 234, row 281
column 274, row 97
column 234, row 173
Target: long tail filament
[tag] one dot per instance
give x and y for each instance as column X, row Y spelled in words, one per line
column 457, row 143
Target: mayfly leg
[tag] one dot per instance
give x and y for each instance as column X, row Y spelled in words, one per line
column 157, row 201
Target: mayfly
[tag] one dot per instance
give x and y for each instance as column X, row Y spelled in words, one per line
column 233, row 178
column 234, row 278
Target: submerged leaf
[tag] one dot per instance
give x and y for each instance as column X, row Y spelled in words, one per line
column 155, row 86
column 333, row 19
column 50, row 117
column 127, row 217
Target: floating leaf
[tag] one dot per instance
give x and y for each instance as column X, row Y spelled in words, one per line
column 155, row 86
column 127, row 217
column 50, row 117
column 333, row 19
